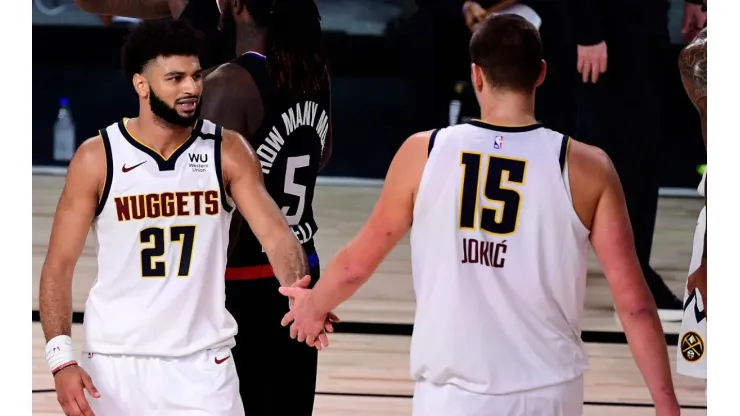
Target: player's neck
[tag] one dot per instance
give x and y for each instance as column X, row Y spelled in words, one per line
column 249, row 39
column 158, row 134
column 512, row 110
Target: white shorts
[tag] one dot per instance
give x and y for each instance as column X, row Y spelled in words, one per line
column 692, row 340
column 202, row 384
column 564, row 399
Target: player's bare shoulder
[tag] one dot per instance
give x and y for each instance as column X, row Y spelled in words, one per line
column 234, row 141
column 420, row 139
column 590, row 172
column 238, row 157
column 89, row 163
column 231, row 77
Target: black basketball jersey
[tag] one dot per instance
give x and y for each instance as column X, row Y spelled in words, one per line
column 289, row 144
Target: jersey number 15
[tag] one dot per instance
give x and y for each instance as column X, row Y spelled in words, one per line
column 496, row 221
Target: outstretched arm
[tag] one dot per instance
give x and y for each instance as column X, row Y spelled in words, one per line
column 390, row 220
column 612, row 240
column 243, row 177
column 142, row 9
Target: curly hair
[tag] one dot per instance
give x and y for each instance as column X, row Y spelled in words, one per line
column 296, row 58
column 159, row 37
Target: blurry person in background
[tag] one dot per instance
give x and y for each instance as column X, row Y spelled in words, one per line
column 435, row 57
column 623, row 52
column 203, row 15
column 281, row 72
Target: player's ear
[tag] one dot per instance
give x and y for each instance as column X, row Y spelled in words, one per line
column 543, row 72
column 141, row 85
column 237, row 5
column 477, row 77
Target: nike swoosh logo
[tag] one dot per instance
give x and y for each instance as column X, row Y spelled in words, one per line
column 124, row 169
column 222, row 360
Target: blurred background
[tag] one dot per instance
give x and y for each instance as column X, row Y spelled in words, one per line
column 398, row 66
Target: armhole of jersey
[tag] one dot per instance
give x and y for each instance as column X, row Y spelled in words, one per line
column 564, row 152
column 431, row 142
column 108, row 172
column 219, row 172
column 564, row 145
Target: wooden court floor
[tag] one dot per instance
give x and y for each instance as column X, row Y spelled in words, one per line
column 365, row 371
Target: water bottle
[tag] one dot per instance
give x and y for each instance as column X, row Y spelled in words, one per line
column 456, row 104
column 65, row 142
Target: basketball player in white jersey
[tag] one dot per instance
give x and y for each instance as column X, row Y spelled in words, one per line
column 692, row 344
column 502, row 210
column 159, row 191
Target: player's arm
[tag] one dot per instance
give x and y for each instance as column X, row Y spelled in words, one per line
column 243, row 177
column 692, row 62
column 353, row 265
column 390, row 220
column 612, row 240
column 74, row 215
column 142, row 9
column 226, row 94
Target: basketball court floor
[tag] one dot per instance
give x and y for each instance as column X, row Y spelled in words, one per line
column 365, row 370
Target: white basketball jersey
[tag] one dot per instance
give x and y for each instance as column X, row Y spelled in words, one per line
column 692, row 343
column 499, row 262
column 163, row 231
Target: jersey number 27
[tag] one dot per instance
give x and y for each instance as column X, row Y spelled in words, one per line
column 154, row 239
column 496, row 221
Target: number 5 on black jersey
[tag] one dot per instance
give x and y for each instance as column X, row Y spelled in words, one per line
column 154, row 238
column 494, row 189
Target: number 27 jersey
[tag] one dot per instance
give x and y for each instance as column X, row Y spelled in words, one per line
column 162, row 230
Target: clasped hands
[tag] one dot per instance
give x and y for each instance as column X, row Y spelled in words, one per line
column 308, row 326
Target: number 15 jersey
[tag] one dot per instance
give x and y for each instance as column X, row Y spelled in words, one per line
column 499, row 261
column 163, row 229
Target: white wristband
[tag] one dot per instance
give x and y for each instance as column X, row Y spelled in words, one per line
column 59, row 353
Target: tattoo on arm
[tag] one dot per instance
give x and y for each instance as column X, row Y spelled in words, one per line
column 693, row 67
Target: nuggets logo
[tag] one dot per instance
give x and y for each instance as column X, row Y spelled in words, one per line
column 498, row 142
column 692, row 347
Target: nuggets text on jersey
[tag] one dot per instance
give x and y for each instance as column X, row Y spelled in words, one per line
column 167, row 204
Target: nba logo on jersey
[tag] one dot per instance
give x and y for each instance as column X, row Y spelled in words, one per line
column 498, row 142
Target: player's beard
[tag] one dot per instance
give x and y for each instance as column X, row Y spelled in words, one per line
column 170, row 114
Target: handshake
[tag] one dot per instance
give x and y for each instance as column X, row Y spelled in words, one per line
column 308, row 324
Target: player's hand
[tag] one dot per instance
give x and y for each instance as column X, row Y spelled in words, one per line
column 592, row 61
column 308, row 324
column 330, row 318
column 698, row 281
column 69, row 383
column 694, row 20
column 474, row 13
